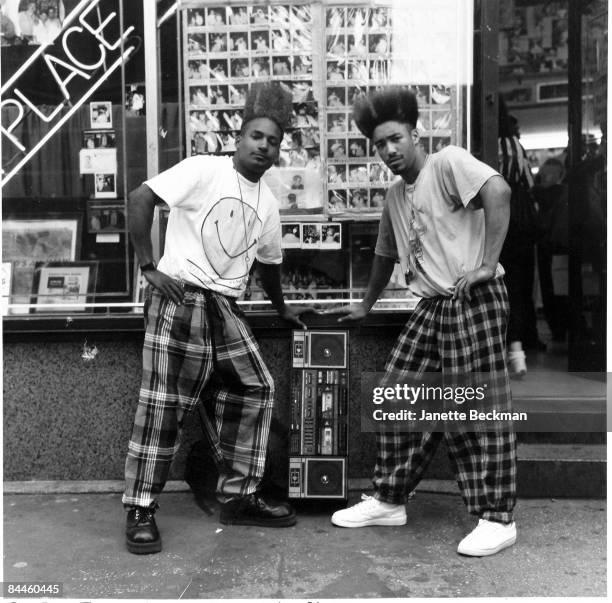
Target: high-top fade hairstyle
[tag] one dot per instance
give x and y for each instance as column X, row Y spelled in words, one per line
column 268, row 99
column 393, row 103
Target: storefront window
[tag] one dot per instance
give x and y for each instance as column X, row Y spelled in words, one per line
column 590, row 173
column 72, row 146
column 75, row 136
column 329, row 180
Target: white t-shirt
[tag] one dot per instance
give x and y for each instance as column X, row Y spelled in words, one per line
column 219, row 223
column 439, row 236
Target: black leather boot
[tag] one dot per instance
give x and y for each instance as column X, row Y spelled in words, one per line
column 253, row 510
column 141, row 534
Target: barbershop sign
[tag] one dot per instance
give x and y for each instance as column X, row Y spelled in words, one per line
column 76, row 79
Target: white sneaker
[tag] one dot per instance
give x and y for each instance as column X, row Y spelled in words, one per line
column 370, row 512
column 488, row 538
column 516, row 364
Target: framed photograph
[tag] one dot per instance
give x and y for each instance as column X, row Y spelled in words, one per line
column 311, row 236
column 377, row 197
column 336, row 200
column 195, row 17
column 106, row 217
column 238, row 16
column 297, row 189
column 5, row 292
column 101, row 114
column 291, row 235
column 62, row 283
column 99, row 139
column 105, row 185
column 37, row 239
column 331, row 236
column 135, row 100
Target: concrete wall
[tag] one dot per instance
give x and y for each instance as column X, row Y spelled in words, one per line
column 66, row 418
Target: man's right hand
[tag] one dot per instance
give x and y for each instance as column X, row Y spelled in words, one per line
column 165, row 285
column 352, row 313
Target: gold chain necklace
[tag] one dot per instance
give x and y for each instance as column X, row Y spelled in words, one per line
column 247, row 235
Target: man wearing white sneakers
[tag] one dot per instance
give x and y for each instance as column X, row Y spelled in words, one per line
column 444, row 221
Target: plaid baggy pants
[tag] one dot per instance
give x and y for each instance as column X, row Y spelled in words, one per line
column 200, row 350
column 454, row 337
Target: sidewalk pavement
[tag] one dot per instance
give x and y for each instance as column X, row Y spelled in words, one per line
column 78, row 540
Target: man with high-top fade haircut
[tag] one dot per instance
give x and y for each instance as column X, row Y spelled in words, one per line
column 197, row 344
column 444, row 220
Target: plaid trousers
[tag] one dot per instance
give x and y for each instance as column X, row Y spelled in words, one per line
column 452, row 336
column 200, row 350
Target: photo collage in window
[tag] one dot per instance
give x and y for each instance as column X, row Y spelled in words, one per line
column 228, row 49
column 360, row 58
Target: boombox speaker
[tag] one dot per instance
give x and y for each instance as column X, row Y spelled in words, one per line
column 320, row 349
column 317, row 477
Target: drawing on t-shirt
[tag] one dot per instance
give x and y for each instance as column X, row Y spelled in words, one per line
column 416, row 230
column 230, row 234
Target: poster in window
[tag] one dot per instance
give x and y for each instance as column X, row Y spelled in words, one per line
column 67, row 286
column 28, row 241
column 94, row 161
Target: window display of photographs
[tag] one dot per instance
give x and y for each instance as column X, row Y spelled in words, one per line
column 231, row 47
column 359, row 52
column 533, row 39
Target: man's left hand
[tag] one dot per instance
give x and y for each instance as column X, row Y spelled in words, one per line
column 469, row 279
column 293, row 315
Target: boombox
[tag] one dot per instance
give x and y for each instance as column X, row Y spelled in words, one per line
column 317, row 477
column 319, row 409
column 319, row 415
column 319, row 349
